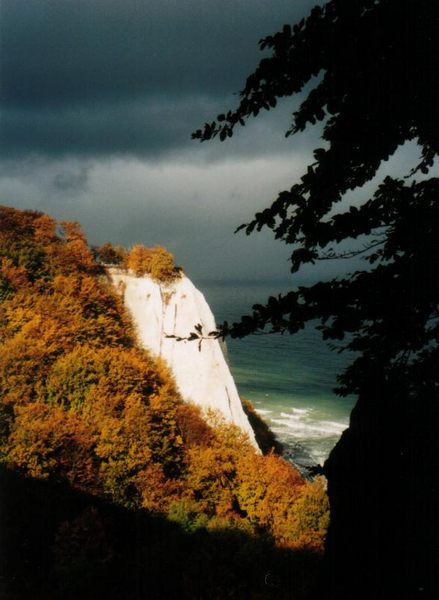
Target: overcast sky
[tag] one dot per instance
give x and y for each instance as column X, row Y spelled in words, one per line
column 99, row 101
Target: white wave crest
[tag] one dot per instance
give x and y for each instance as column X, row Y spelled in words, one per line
column 263, row 411
column 303, row 429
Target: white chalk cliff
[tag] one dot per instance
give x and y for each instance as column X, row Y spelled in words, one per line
column 201, row 372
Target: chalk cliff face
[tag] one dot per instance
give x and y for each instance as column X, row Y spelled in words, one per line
column 201, row 372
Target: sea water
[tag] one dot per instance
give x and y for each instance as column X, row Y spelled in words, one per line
column 288, row 378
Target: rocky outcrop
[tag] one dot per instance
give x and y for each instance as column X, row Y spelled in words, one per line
column 174, row 309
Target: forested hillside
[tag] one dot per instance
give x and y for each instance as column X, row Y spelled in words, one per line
column 112, row 486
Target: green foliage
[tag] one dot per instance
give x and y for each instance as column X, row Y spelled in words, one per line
column 187, row 514
column 71, row 377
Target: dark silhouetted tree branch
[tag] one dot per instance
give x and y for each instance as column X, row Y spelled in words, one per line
column 376, row 87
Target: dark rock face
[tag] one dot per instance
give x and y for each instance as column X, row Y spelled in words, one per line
column 383, row 487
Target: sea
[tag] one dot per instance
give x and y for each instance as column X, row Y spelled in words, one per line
column 288, row 378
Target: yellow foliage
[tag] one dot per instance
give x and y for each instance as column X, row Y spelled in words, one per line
column 156, row 262
column 211, row 479
column 48, row 442
column 75, row 252
column 15, row 277
column 268, row 486
column 308, row 518
column 81, row 403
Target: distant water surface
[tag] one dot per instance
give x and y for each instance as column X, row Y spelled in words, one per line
column 288, row 378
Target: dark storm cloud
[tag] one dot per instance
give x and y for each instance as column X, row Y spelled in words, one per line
column 99, row 98
column 71, row 180
column 146, row 127
column 110, row 77
column 149, row 127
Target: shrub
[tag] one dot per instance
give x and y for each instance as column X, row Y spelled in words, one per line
column 111, row 255
column 156, row 262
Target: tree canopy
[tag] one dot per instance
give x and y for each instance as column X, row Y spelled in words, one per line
column 366, row 70
column 85, row 411
column 371, row 68
column 157, row 262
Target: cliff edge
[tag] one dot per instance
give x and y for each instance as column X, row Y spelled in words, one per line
column 201, row 371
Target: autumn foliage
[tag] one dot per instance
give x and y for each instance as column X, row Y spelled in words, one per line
column 81, row 403
column 109, row 254
column 157, row 262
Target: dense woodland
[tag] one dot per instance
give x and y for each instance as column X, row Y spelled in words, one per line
column 112, row 486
